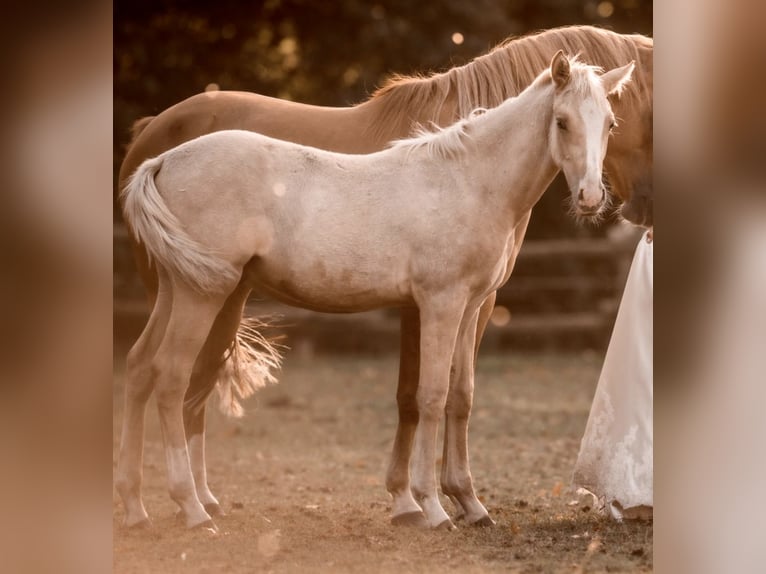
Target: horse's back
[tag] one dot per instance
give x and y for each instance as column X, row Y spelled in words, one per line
column 213, row 160
column 209, row 112
column 195, row 116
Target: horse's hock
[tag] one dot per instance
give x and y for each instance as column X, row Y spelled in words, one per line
column 562, row 294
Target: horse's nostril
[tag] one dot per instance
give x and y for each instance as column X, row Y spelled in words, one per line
column 580, row 194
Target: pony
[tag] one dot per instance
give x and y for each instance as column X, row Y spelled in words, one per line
column 431, row 222
column 394, row 111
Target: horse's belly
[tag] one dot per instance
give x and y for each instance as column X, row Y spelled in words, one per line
column 330, row 290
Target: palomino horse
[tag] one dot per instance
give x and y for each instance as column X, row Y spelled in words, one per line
column 431, row 223
column 393, row 112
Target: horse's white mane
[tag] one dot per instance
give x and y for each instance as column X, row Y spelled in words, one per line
column 445, row 143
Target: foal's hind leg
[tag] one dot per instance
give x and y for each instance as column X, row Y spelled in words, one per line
column 191, row 319
column 139, row 384
column 203, row 379
column 456, row 478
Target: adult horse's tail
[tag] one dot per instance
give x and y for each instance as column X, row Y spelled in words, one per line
column 248, row 362
column 247, row 366
column 138, row 126
column 164, row 238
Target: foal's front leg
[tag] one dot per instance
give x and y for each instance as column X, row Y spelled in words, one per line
column 405, row 510
column 439, row 321
column 456, row 479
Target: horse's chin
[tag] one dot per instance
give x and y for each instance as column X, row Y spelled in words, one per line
column 641, row 215
column 590, row 216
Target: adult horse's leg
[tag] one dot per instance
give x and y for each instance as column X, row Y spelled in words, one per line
column 139, row 384
column 146, row 270
column 456, row 480
column 440, row 317
column 206, row 371
column 485, row 312
column 191, row 319
column 405, row 510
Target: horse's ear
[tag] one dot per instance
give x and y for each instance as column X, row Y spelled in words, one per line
column 615, row 80
column 560, row 69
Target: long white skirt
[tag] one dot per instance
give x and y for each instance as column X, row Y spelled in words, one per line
column 615, row 463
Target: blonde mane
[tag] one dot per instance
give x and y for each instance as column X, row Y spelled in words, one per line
column 505, row 71
column 444, row 143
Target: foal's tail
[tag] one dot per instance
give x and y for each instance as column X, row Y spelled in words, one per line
column 163, row 235
column 249, row 361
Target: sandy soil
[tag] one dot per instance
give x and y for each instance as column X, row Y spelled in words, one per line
column 301, row 478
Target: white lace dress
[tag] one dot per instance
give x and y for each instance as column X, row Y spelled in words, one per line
column 615, row 463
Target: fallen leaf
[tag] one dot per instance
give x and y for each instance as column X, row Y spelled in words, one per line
column 594, row 545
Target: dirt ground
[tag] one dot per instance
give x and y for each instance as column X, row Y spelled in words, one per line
column 301, row 478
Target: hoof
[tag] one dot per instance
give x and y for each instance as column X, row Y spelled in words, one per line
column 446, row 525
column 208, row 525
column 414, row 519
column 484, row 522
column 214, row 509
column 144, row 524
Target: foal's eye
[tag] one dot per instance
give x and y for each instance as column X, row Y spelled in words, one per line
column 612, row 125
column 561, row 123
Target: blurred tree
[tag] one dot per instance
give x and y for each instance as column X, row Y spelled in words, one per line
column 327, row 53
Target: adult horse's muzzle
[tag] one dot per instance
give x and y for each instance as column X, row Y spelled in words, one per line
column 639, row 209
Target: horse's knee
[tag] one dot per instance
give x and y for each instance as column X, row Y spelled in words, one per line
column 139, row 388
column 407, row 404
column 459, row 402
column 431, row 402
column 460, row 397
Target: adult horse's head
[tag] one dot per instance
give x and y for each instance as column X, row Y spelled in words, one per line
column 582, row 122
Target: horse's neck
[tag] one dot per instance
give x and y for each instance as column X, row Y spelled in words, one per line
column 388, row 119
column 509, row 145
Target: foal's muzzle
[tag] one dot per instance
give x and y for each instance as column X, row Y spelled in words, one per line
column 585, row 203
